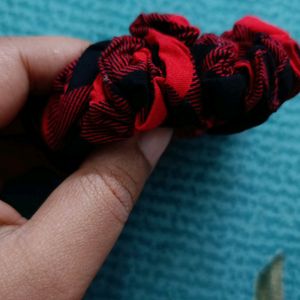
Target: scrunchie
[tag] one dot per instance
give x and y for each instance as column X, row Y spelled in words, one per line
column 167, row 74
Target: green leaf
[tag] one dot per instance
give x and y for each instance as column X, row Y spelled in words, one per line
column 269, row 284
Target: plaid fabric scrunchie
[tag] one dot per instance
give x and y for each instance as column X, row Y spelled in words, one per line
column 167, row 74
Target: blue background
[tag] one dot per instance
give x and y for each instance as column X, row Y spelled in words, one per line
column 216, row 209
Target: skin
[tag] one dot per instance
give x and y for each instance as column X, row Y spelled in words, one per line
column 56, row 254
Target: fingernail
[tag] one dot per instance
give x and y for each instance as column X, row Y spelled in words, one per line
column 153, row 143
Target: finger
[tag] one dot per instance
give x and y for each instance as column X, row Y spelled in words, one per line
column 9, row 216
column 72, row 233
column 31, row 65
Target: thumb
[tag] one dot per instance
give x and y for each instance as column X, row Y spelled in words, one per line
column 75, row 229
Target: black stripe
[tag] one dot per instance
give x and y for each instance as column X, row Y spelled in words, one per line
column 199, row 52
column 86, row 69
column 223, row 96
column 286, row 81
column 136, row 87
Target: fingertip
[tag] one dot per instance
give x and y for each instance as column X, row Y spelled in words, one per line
column 21, row 221
column 153, row 143
column 9, row 216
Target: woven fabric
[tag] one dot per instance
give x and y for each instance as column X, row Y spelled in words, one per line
column 217, row 208
column 166, row 74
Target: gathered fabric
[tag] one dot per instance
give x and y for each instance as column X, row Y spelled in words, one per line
column 168, row 74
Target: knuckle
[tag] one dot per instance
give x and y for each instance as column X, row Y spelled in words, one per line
column 112, row 187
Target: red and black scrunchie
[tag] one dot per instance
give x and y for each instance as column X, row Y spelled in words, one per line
column 167, row 74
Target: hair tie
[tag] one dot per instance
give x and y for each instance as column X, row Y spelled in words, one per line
column 167, row 74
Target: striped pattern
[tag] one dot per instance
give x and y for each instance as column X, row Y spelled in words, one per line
column 165, row 74
column 217, row 208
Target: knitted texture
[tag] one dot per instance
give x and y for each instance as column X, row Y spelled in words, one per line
column 166, row 75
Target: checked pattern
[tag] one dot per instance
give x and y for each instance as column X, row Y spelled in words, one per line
column 168, row 74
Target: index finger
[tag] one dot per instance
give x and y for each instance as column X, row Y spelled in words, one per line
column 30, row 64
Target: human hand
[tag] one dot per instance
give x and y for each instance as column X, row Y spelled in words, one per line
column 56, row 254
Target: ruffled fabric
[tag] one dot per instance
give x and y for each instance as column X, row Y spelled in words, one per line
column 167, row 74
